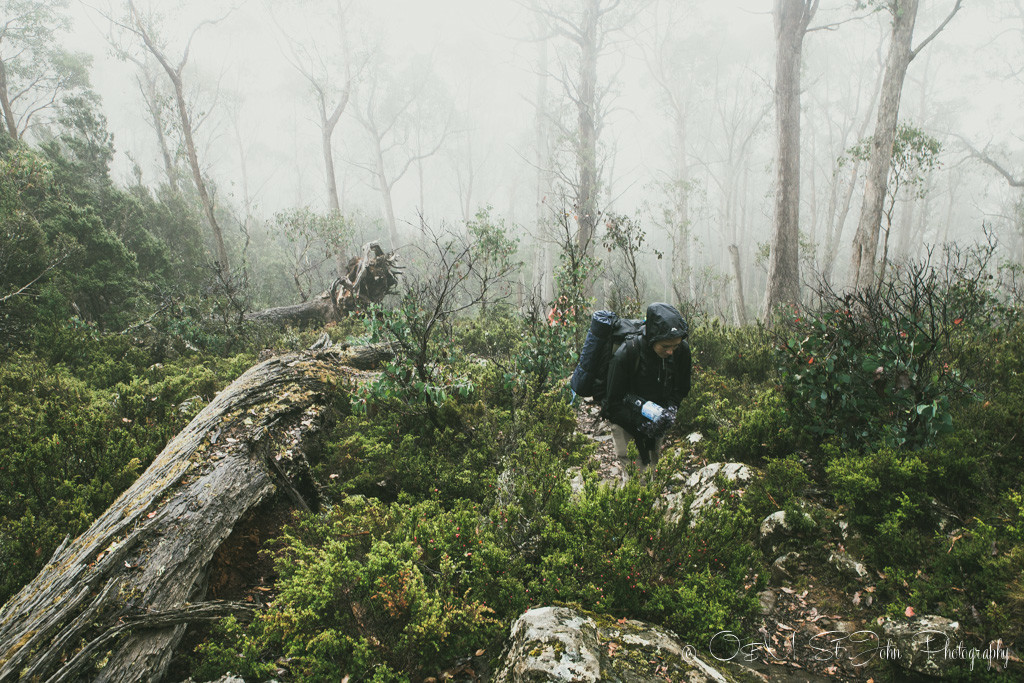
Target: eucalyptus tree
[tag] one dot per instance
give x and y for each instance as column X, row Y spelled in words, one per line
column 36, row 73
column 587, row 29
column 391, row 107
column 144, row 27
column 738, row 110
column 915, row 155
column 792, row 18
column 156, row 100
column 999, row 149
column 327, row 66
column 901, row 53
column 843, row 109
column 674, row 62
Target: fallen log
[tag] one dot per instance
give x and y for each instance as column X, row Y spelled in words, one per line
column 367, row 280
column 113, row 604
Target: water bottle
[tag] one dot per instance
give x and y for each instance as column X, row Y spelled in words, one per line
column 652, row 411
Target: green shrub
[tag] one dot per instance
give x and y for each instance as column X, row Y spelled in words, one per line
column 736, row 352
column 783, row 481
column 972, row 574
column 73, row 435
column 368, row 588
column 614, row 551
column 888, row 364
column 713, row 405
column 762, row 430
column 887, row 494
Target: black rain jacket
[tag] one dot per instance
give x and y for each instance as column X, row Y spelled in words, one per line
column 636, row 369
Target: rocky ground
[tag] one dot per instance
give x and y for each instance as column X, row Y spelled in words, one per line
column 804, row 622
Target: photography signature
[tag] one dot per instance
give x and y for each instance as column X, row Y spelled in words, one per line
column 859, row 648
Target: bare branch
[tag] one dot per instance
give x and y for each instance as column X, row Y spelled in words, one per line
column 836, row 24
column 982, row 156
column 937, row 31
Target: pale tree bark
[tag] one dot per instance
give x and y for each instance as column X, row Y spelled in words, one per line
column 588, row 189
column 901, row 53
column 739, row 302
column 792, row 18
column 10, row 120
column 681, row 257
column 740, row 117
column 174, row 72
column 841, row 196
column 149, row 87
column 542, row 161
column 123, row 592
column 328, row 122
column 151, row 95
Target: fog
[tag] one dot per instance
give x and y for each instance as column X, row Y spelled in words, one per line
column 473, row 68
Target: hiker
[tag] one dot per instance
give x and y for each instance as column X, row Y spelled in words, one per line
column 652, row 367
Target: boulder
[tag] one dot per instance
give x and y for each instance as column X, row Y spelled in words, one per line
column 565, row 644
column 779, row 527
column 703, row 484
column 927, row 644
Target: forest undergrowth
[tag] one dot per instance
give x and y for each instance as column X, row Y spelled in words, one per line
column 450, row 507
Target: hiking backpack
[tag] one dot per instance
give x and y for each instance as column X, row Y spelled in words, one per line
column 607, row 332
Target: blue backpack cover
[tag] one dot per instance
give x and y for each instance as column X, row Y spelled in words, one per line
column 607, row 332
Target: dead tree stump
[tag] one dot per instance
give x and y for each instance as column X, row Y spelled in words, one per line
column 112, row 604
column 367, row 280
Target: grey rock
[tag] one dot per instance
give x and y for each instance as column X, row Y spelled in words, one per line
column 704, row 489
column 552, row 644
column 575, row 475
column 767, row 599
column 561, row 644
column 848, row 567
column 777, row 528
column 926, row 644
column 786, row 567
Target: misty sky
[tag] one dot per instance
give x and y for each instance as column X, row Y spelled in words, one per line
column 482, row 55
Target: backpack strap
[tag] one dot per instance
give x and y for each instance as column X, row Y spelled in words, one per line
column 636, row 348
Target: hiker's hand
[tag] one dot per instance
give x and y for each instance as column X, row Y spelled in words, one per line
column 665, row 422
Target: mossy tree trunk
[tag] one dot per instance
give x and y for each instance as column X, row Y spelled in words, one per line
column 124, row 591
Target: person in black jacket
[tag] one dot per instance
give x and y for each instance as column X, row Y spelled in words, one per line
column 652, row 367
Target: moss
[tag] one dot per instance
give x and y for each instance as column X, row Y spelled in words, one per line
column 537, row 647
column 17, row 646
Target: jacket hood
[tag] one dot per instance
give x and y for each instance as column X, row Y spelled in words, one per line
column 664, row 322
